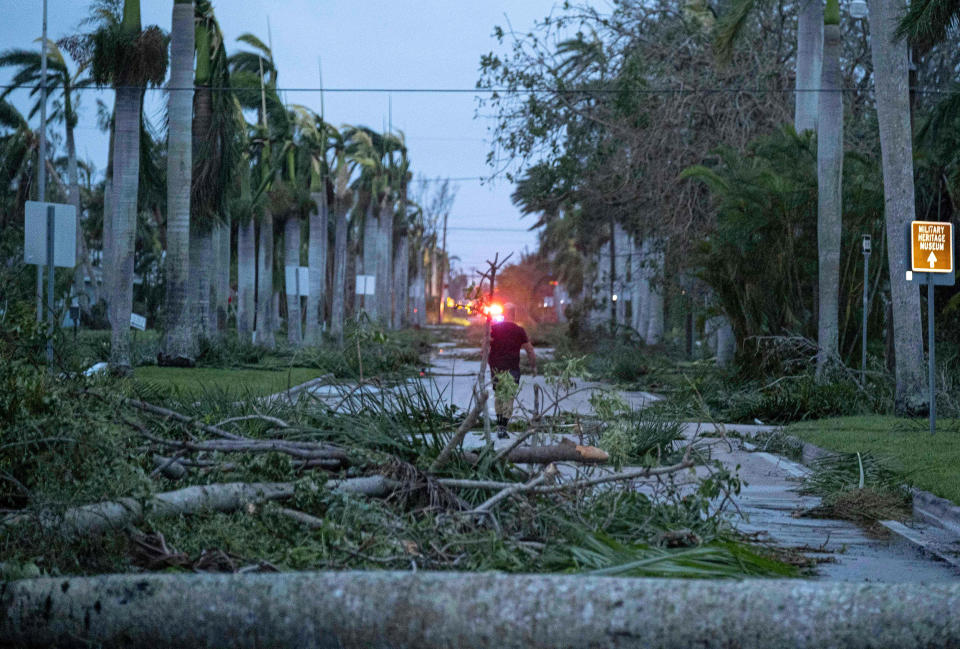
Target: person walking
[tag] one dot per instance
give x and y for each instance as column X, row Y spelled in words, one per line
column 506, row 341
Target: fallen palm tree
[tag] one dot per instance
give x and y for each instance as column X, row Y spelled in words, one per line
column 471, row 611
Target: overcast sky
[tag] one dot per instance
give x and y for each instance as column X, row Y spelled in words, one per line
column 362, row 44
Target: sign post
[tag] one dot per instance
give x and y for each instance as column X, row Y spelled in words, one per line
column 49, row 239
column 866, row 306
column 931, row 252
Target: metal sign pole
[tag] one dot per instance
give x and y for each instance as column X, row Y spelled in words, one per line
column 866, row 306
column 42, row 154
column 50, row 267
column 932, row 355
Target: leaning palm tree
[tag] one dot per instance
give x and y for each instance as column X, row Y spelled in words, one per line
column 127, row 57
column 829, row 177
column 178, row 344
column 66, row 83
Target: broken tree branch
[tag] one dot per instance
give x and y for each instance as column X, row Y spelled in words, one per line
column 465, row 426
column 565, row 451
column 223, row 497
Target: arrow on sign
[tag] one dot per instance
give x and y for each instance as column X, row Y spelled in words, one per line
column 932, row 259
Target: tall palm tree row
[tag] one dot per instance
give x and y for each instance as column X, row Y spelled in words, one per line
column 215, row 171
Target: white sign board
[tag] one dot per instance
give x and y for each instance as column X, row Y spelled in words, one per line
column 366, row 284
column 293, row 275
column 138, row 322
column 64, row 234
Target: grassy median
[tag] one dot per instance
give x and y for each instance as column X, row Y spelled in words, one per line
column 930, row 462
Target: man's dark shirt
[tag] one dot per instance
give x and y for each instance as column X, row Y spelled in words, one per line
column 506, row 339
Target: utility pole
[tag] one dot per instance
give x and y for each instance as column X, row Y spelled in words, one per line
column 866, row 306
column 42, row 155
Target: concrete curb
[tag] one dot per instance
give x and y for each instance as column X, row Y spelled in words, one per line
column 929, row 508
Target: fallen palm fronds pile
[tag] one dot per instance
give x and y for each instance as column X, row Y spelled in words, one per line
column 388, row 477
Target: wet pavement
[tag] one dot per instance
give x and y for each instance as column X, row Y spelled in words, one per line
column 767, row 503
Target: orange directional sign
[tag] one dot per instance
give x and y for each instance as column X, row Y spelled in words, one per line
column 931, row 247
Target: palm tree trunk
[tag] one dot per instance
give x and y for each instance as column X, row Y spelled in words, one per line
column 126, row 180
column 371, row 260
column 291, row 243
column 221, row 287
column 265, row 322
column 891, row 73
column 401, row 290
column 246, row 279
column 622, row 261
column 339, row 268
column 655, row 296
column 809, row 62
column 201, row 255
column 177, row 343
column 641, row 298
column 317, row 264
column 106, row 236
column 385, row 262
column 829, row 172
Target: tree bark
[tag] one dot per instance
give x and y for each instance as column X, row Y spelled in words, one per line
column 809, row 62
column 565, row 451
column 384, row 295
column 829, row 215
column 891, row 75
column 126, row 181
column 655, row 279
column 401, row 264
column 291, row 245
column 317, row 264
column 370, row 263
column 102, row 517
column 246, row 279
column 178, row 342
column 434, row 610
column 265, row 323
column 221, row 274
column 338, row 311
column 201, row 254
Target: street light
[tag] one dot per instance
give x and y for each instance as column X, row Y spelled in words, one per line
column 858, row 9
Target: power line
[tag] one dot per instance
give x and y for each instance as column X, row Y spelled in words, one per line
column 516, row 91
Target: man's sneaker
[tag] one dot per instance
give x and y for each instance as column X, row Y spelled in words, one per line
column 502, row 432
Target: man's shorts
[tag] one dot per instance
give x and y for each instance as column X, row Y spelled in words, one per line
column 514, row 373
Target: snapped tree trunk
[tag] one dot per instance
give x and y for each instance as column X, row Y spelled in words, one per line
column 246, row 279
column 829, row 215
column 291, row 247
column 178, row 343
column 439, row 610
column 317, row 265
column 809, row 61
column 126, row 182
column 891, row 76
column 265, row 323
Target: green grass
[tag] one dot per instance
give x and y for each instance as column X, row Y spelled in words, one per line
column 240, row 381
column 930, row 462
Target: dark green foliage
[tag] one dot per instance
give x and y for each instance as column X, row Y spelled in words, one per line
column 760, row 257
